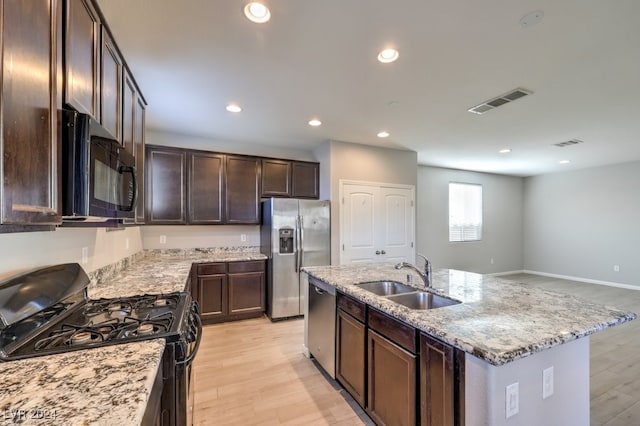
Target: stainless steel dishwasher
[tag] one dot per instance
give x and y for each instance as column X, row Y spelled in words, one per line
column 322, row 325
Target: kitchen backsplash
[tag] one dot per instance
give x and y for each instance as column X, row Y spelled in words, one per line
column 29, row 250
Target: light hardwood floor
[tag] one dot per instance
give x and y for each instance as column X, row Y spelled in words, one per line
column 253, row 372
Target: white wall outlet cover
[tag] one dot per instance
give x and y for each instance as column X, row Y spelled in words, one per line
column 243, row 237
column 126, row 243
column 163, row 239
column 85, row 254
column 512, row 400
column 616, row 268
column 547, row 382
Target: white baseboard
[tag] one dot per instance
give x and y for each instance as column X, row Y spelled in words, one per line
column 305, row 351
column 580, row 279
column 498, row 274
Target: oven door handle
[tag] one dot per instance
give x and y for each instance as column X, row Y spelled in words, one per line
column 189, row 359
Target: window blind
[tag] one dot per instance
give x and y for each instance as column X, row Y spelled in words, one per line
column 465, row 212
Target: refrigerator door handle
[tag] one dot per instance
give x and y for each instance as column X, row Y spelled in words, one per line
column 297, row 244
column 301, row 242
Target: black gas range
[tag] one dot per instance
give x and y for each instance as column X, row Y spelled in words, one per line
column 47, row 311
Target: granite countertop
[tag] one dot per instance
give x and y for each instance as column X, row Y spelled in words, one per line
column 102, row 386
column 163, row 271
column 499, row 321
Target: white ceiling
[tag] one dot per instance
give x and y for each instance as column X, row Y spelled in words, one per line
column 318, row 59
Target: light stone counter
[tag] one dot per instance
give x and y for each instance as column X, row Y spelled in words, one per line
column 160, row 271
column 103, row 386
column 499, row 321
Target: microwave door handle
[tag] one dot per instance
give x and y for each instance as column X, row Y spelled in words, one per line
column 134, row 199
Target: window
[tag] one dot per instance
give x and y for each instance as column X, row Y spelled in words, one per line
column 465, row 212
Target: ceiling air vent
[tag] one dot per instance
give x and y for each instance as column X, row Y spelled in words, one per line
column 499, row 101
column 568, row 143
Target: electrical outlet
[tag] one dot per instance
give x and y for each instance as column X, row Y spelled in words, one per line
column 492, row 260
column 126, row 243
column 616, row 268
column 243, row 237
column 85, row 254
column 547, row 382
column 512, row 397
column 163, row 239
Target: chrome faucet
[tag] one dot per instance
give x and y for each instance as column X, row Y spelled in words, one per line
column 425, row 275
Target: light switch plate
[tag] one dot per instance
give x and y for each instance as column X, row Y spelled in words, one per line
column 512, row 400
column 547, row 382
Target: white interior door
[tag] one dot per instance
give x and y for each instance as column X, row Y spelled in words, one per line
column 377, row 222
column 397, row 233
column 359, row 223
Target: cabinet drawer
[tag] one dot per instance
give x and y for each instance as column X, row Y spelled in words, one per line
column 397, row 331
column 212, row 268
column 252, row 266
column 352, row 306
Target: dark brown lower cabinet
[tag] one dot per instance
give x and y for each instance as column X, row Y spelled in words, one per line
column 351, row 339
column 229, row 291
column 441, row 383
column 246, row 289
column 211, row 291
column 392, row 382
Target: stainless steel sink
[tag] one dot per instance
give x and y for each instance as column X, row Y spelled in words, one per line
column 386, row 288
column 422, row 300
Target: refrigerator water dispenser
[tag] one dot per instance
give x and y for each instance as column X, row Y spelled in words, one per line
column 286, row 240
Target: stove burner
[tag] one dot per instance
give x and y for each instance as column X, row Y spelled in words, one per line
column 80, row 338
column 144, row 329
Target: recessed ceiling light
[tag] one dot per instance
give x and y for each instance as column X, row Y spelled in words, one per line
column 383, row 134
column 504, row 151
column 388, row 55
column 257, row 12
column 315, row 122
column 564, row 161
column 233, row 108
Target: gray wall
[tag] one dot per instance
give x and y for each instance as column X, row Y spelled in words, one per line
column 582, row 223
column 502, row 237
column 364, row 163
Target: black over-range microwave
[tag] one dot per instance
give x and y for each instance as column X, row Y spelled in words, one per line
column 98, row 174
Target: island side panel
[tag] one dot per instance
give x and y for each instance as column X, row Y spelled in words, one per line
column 569, row 405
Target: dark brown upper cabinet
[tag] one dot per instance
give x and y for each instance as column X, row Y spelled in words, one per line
column 305, row 180
column 139, row 153
column 133, row 136
column 276, row 178
column 184, row 186
column 29, row 149
column 206, row 187
column 166, row 189
column 285, row 178
column 82, row 64
column 111, row 87
column 243, row 190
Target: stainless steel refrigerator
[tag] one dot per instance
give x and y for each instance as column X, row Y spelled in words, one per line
column 294, row 233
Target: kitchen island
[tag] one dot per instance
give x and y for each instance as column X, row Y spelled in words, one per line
column 508, row 333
